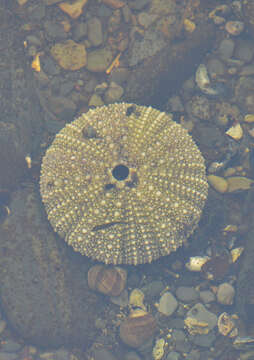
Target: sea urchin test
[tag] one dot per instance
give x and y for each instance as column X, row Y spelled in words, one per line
column 123, row 184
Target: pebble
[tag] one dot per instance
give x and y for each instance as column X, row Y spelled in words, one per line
column 225, row 294
column 249, row 118
column 218, row 183
column 226, row 48
column 103, row 354
column 79, row 31
column 132, row 356
column 244, row 51
column 215, row 68
column 234, row 28
column 153, row 289
column 202, row 316
column 99, row 60
column 94, row 31
column 54, row 30
column 207, row 296
column 10, row 346
column 200, row 107
column 69, row 55
column 186, row 294
column 167, row 304
column 8, row 356
column 113, row 93
column 95, row 100
column 173, row 355
column 239, row 183
column 121, row 300
column 2, row 326
column 195, row 263
column 204, row 340
column 136, row 299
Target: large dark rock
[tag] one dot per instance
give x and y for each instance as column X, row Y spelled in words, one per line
column 248, row 11
column 159, row 76
column 44, row 290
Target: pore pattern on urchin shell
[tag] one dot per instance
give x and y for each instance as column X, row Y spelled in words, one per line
column 123, row 184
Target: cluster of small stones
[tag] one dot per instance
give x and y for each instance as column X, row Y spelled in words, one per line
column 123, row 184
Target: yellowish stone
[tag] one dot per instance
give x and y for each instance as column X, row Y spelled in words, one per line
column 75, row 9
column 69, row 55
column 237, row 183
column 218, row 183
column 249, row 118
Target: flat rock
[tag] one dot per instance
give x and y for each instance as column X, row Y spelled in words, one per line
column 44, row 291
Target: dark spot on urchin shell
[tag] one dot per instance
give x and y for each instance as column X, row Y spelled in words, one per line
column 108, row 187
column 134, row 180
column 132, row 110
column 120, row 172
column 106, row 226
column 89, row 132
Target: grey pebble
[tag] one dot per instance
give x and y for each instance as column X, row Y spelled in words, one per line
column 2, row 326
column 200, row 313
column 225, row 294
column 50, row 66
column 207, row 296
column 173, row 355
column 119, row 75
column 199, row 107
column 153, row 289
column 10, row 346
column 180, row 341
column 33, row 40
column 215, row 67
column 98, row 60
column 94, row 31
column 167, row 304
column 54, row 30
column 244, row 51
column 132, row 356
column 186, row 294
column 121, row 300
column 103, row 354
column 79, row 31
column 247, row 70
column 138, row 4
column 113, row 93
column 8, row 356
column 204, row 340
column 226, row 48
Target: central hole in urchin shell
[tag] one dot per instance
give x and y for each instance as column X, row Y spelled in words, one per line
column 120, row 172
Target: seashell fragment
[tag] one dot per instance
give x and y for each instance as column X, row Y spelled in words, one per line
column 204, row 83
column 235, row 132
column 238, row 183
column 195, row 263
column 236, row 253
column 136, row 299
column 138, row 328
column 158, row 349
column 227, row 325
column 107, row 280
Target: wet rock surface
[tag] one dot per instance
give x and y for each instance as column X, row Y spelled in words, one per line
column 44, row 291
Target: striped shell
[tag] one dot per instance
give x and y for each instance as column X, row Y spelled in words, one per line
column 123, row 184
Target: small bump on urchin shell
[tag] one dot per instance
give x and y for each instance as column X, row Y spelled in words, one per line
column 123, row 184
